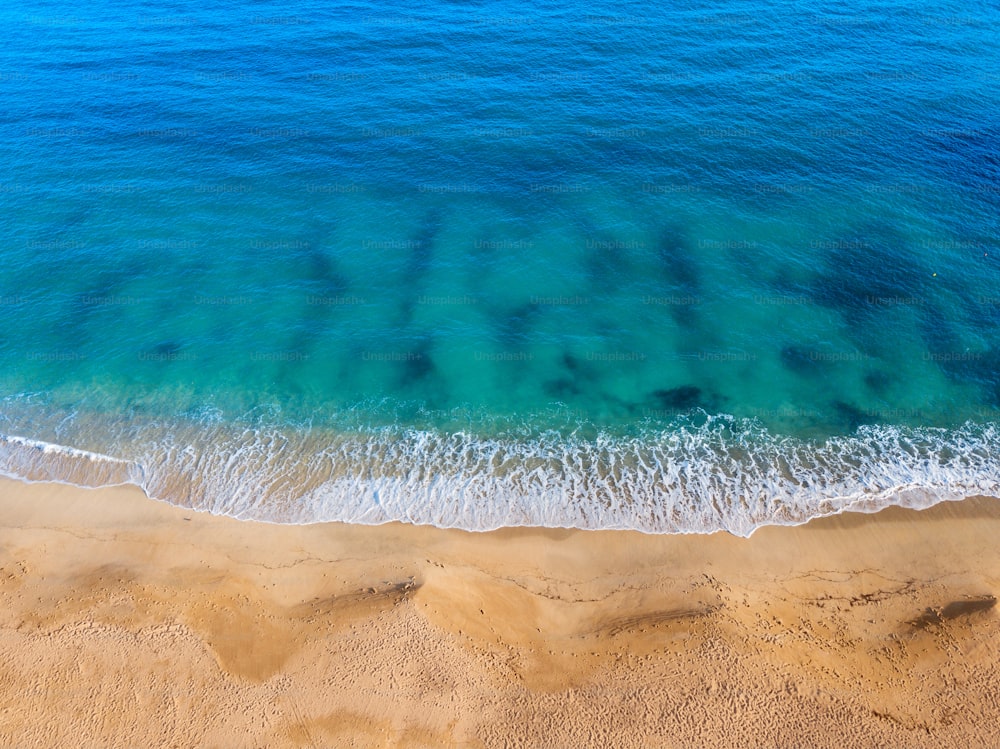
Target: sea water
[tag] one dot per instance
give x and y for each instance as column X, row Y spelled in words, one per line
column 670, row 267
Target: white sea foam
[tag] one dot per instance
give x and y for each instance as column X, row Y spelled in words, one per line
column 35, row 460
column 724, row 474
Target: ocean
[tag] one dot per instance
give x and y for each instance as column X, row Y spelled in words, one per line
column 677, row 268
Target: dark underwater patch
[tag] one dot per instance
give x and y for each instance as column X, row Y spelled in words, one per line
column 681, row 275
column 419, row 262
column 562, row 388
column 938, row 332
column 513, row 329
column 852, row 416
column 878, row 381
column 959, row 362
column 681, row 398
column 668, row 403
column 570, row 362
column 803, row 360
column 167, row 349
column 867, row 273
column 677, row 263
column 604, row 259
column 578, row 378
column 981, row 368
column 322, row 270
column 423, row 245
column 871, row 263
column 417, row 367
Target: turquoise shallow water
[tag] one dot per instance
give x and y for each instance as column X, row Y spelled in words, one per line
column 670, row 269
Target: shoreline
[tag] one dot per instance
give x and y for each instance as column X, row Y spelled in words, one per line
column 687, row 485
column 126, row 620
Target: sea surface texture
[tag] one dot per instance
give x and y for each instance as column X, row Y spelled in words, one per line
column 674, row 267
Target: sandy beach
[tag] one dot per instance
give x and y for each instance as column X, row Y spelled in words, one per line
column 128, row 622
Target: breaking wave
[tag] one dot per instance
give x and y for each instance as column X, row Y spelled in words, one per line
column 722, row 473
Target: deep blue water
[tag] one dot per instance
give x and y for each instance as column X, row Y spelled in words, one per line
column 679, row 268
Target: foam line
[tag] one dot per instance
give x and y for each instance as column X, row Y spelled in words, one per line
column 725, row 474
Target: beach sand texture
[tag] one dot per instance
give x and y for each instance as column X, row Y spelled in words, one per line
column 129, row 622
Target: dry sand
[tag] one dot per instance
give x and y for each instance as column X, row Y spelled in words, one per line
column 127, row 622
